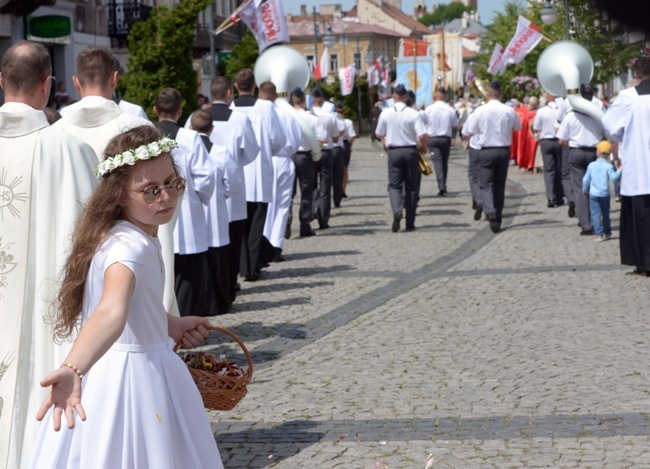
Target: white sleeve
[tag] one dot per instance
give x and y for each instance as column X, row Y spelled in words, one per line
column 249, row 148
column 563, row 132
column 276, row 132
column 204, row 171
column 380, row 130
column 616, row 118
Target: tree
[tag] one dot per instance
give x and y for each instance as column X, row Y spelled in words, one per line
column 243, row 55
column 445, row 13
column 160, row 56
column 604, row 41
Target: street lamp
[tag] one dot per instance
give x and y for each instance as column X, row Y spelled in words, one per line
column 329, row 40
column 549, row 15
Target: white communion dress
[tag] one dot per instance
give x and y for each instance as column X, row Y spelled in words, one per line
column 143, row 409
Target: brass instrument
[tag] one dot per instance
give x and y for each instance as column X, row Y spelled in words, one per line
column 479, row 87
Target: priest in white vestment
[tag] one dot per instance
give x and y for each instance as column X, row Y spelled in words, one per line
column 628, row 122
column 284, row 174
column 45, row 177
column 271, row 138
column 96, row 119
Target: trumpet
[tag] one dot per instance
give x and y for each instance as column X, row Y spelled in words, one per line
column 478, row 87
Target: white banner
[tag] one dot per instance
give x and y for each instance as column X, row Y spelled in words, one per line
column 266, row 21
column 525, row 39
column 346, row 77
column 498, row 60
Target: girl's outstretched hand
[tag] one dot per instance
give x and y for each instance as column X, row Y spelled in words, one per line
column 191, row 329
column 65, row 397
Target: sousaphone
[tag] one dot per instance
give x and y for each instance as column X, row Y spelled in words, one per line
column 562, row 68
column 287, row 70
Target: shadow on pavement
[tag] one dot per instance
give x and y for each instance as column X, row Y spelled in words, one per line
column 310, row 255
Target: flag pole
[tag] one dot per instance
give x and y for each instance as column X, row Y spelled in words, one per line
column 415, row 67
column 444, row 58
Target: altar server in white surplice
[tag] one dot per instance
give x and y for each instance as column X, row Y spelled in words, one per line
column 221, row 294
column 45, row 177
column 284, row 174
column 191, row 270
column 96, row 118
column 271, row 138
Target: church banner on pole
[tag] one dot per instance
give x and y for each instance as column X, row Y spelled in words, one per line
column 417, row 75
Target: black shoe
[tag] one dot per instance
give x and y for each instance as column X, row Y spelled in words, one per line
column 337, row 205
column 345, row 196
column 442, row 193
column 278, row 256
column 478, row 212
column 237, row 287
column 572, row 209
column 495, row 226
column 307, row 233
column 409, row 228
column 586, row 232
column 323, row 227
column 397, row 218
column 251, row 278
column 474, row 204
column 550, row 204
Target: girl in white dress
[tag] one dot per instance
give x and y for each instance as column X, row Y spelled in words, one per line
column 128, row 399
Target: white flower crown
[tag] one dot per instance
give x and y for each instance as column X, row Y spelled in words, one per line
column 130, row 157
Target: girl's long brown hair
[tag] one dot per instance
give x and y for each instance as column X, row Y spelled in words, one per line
column 103, row 209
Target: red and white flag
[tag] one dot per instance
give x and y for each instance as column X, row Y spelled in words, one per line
column 374, row 73
column 322, row 68
column 526, row 37
column 346, row 77
column 266, row 20
column 498, row 60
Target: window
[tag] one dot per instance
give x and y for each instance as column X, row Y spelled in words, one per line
column 310, row 60
column 357, row 61
column 334, row 62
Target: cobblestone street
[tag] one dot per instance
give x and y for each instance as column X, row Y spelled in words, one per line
column 374, row 349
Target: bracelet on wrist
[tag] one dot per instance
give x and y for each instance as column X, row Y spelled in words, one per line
column 73, row 368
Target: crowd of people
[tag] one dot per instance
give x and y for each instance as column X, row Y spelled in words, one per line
column 150, row 228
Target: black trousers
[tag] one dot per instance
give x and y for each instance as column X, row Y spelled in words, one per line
column 252, row 237
column 338, row 167
column 192, row 281
column 567, row 187
column 323, row 185
column 635, row 231
column 552, row 157
column 236, row 234
column 440, row 148
column 305, row 170
column 578, row 162
column 219, row 295
column 402, row 190
column 492, row 175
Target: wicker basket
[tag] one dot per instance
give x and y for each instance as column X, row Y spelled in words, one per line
column 222, row 392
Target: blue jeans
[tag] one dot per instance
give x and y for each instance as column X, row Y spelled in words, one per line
column 599, row 207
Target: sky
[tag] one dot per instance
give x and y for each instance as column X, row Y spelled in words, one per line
column 487, row 9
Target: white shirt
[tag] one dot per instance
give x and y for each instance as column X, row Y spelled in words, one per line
column 96, row 120
column 316, row 126
column 349, row 129
column 402, row 126
column 330, row 124
column 440, row 119
column 293, row 132
column 628, row 122
column 132, row 109
column 494, row 122
column 271, row 138
column 580, row 130
column 546, row 121
column 471, row 121
column 195, row 165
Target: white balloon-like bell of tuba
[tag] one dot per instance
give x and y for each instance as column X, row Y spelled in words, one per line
column 287, row 70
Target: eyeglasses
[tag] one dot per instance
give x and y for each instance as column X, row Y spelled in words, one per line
column 175, row 188
column 49, row 76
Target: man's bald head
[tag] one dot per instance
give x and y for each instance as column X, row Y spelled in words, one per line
column 24, row 67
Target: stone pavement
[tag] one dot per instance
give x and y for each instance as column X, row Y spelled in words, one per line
column 374, row 349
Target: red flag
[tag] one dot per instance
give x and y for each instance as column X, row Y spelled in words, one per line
column 446, row 68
